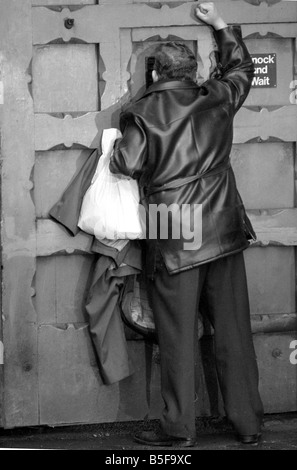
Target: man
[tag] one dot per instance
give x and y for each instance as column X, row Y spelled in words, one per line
column 176, row 142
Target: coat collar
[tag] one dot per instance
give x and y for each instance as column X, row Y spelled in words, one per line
column 162, row 85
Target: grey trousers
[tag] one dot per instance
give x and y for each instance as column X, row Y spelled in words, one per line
column 219, row 290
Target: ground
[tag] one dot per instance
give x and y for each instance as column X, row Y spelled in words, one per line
column 279, row 433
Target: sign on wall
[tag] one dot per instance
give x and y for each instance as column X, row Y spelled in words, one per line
column 265, row 70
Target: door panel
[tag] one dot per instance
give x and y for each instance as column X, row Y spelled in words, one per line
column 265, row 174
column 53, row 171
column 65, row 78
column 271, row 279
column 75, row 393
column 277, row 373
column 60, row 297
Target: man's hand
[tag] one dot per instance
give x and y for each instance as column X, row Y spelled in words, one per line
column 208, row 13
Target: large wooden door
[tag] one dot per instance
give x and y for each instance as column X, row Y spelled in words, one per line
column 66, row 72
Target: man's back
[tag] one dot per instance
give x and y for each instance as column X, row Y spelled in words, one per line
column 179, row 130
column 189, row 129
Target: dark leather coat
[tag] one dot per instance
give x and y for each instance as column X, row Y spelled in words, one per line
column 179, row 130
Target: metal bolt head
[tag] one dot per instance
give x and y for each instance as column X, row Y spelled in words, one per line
column 69, row 23
column 276, row 353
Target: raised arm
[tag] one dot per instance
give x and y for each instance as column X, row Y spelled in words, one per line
column 235, row 63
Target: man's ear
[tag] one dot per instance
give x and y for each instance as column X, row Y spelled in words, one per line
column 155, row 76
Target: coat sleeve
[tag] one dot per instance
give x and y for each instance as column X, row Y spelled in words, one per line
column 130, row 151
column 235, row 67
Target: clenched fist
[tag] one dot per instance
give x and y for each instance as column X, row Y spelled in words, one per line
column 208, row 13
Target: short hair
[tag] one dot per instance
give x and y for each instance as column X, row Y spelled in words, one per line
column 175, row 60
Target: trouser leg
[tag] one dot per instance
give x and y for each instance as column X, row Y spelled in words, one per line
column 225, row 301
column 174, row 300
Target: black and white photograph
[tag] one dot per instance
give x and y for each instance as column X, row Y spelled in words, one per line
column 148, row 175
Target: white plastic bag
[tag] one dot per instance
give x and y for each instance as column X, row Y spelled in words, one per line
column 110, row 207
